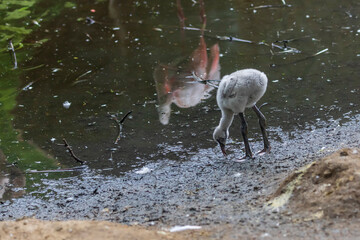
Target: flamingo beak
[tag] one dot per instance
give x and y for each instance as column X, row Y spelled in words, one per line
column 222, row 146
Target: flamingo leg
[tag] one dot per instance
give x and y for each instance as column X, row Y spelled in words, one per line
column 262, row 122
column 244, row 131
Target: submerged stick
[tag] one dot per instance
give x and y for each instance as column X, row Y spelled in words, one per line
column 203, row 81
column 120, row 125
column 68, row 147
column 12, row 49
column 303, row 59
column 57, row 170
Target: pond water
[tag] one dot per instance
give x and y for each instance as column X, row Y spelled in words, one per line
column 100, row 61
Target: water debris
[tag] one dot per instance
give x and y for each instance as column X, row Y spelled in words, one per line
column 66, row 104
column 68, row 147
column 120, row 125
column 12, row 49
column 84, row 74
column 272, row 6
column 36, row 23
column 54, row 70
column 230, row 38
column 28, row 87
column 74, row 169
column 303, row 59
column 33, row 68
column 184, row 228
column 203, row 81
column 286, row 48
column 320, row 52
column 143, row 170
column 89, row 21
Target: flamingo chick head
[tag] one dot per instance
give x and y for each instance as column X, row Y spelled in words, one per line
column 220, row 136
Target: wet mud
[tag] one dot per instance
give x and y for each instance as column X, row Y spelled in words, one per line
column 206, row 189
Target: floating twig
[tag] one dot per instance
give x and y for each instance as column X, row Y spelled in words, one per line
column 320, row 52
column 273, row 6
column 303, row 59
column 58, row 170
column 203, row 81
column 68, row 147
column 230, row 38
column 272, row 45
column 120, row 125
column 12, row 49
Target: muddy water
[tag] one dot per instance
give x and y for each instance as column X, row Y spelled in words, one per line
column 113, row 57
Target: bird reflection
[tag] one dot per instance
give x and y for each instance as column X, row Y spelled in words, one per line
column 175, row 82
column 11, row 181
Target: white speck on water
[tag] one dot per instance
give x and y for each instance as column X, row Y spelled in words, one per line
column 183, row 228
column 143, row 170
column 66, row 104
column 275, row 81
column 299, row 79
column 52, row 139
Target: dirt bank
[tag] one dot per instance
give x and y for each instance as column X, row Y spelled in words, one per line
column 318, row 201
column 32, row 229
column 328, row 188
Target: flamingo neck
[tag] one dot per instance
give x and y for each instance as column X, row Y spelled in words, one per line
column 226, row 119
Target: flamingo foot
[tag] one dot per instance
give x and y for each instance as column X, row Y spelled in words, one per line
column 243, row 159
column 265, row 150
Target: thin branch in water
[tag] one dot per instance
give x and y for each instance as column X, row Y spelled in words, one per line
column 12, row 49
column 272, row 6
column 126, row 115
column 233, row 39
column 68, row 147
column 203, row 81
column 303, row 59
column 262, row 105
column 57, row 170
column 320, row 52
column 120, row 125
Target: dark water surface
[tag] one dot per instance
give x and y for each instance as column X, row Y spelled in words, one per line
column 113, row 57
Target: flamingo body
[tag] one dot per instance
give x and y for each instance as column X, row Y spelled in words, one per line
column 237, row 91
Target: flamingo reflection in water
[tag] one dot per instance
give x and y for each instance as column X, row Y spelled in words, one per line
column 175, row 83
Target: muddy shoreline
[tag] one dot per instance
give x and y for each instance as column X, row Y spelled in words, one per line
column 208, row 191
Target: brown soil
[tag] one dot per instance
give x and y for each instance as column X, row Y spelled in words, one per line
column 327, row 188
column 319, row 201
column 33, row 229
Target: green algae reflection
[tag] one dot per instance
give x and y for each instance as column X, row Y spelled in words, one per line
column 19, row 19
